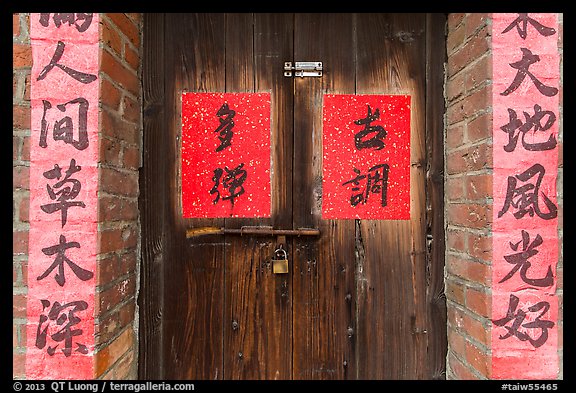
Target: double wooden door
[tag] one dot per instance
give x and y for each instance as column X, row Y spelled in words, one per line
column 364, row 300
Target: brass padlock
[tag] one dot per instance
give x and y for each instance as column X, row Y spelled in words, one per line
column 280, row 261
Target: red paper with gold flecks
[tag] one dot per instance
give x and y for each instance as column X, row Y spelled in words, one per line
column 366, row 157
column 226, row 155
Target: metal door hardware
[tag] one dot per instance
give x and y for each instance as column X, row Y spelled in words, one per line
column 280, row 261
column 261, row 231
column 303, row 68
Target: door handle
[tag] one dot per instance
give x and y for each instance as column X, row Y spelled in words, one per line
column 259, row 231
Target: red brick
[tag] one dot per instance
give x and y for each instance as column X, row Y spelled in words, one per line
column 131, row 157
column 125, row 368
column 131, row 110
column 18, row 365
column 455, row 38
column 455, row 292
column 455, row 188
column 21, row 56
column 19, row 306
column 113, row 208
column 454, row 136
column 114, row 127
column 478, row 359
column 120, row 183
column 27, row 87
column 461, row 371
column 25, row 152
column 454, row 19
column 479, row 72
column 115, row 295
column 455, row 88
column 107, row 328
column 478, row 301
column 456, row 240
column 24, row 209
column 473, row 158
column 127, row 27
column 21, row 177
column 455, row 113
column 110, row 96
column 480, row 247
column 479, row 128
column 477, row 330
column 107, row 356
column 479, row 44
column 112, row 240
column 456, row 265
column 112, row 67
column 110, row 151
column 477, row 101
column 19, row 242
column 15, row 25
column 469, row 215
column 474, row 22
column 132, row 57
column 457, row 343
column 478, row 186
column 21, row 117
column 110, row 37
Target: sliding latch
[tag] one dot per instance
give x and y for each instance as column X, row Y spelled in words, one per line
column 303, row 68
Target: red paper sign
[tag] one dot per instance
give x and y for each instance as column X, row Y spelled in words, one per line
column 226, row 155
column 366, row 157
column 526, row 76
column 63, row 196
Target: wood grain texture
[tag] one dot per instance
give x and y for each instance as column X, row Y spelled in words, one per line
column 435, row 109
column 257, row 318
column 365, row 300
column 194, row 268
column 152, row 201
column 391, row 287
column 323, row 277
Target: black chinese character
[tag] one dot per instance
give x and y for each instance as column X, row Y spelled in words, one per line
column 376, row 140
column 63, row 319
column 62, row 192
column 534, row 121
column 79, row 76
column 528, row 58
column 521, row 24
column 70, row 18
column 521, row 262
column 225, row 127
column 526, row 197
column 60, row 251
column 232, row 182
column 64, row 128
column 518, row 318
column 376, row 183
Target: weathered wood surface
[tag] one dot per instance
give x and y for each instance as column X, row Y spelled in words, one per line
column 363, row 300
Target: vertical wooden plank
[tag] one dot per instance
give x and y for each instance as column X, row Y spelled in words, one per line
column 323, row 273
column 194, row 268
column 152, row 201
column 391, row 287
column 257, row 323
column 435, row 298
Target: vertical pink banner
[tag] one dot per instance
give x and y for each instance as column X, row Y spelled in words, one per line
column 63, row 196
column 526, row 75
column 226, row 155
column 366, row 157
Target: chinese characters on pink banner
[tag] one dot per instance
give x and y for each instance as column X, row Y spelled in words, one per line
column 526, row 79
column 366, row 157
column 226, row 155
column 63, row 196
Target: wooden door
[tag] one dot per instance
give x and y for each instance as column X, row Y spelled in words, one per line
column 362, row 301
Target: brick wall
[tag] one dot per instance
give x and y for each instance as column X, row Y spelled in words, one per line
column 468, row 196
column 119, row 231
column 118, row 223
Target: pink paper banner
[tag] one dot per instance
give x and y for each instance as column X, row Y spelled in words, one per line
column 63, row 196
column 526, row 77
column 366, row 157
column 226, row 155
